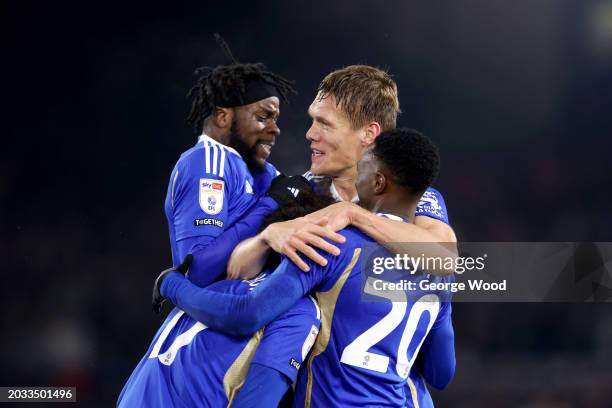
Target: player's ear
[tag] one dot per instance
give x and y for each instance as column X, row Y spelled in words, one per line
column 370, row 133
column 380, row 183
column 222, row 117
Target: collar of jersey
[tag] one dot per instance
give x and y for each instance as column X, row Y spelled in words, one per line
column 391, row 217
column 205, row 138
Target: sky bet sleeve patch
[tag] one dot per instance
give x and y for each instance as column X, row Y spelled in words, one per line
column 211, row 195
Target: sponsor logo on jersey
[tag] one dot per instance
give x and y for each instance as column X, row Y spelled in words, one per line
column 256, row 280
column 208, row 221
column 247, row 187
column 294, row 363
column 211, row 195
column 429, row 204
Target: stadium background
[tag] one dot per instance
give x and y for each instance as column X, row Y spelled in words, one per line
column 518, row 97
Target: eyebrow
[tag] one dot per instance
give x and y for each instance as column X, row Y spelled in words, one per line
column 269, row 112
column 319, row 119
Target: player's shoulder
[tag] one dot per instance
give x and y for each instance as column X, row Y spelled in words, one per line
column 355, row 238
column 211, row 157
column 307, row 306
column 432, row 205
column 271, row 169
column 432, row 197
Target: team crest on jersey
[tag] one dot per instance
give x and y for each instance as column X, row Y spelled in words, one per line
column 211, row 195
column 429, row 204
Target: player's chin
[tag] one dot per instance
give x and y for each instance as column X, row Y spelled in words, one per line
column 319, row 169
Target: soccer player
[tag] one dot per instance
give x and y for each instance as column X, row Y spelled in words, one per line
column 353, row 105
column 216, row 198
column 188, row 364
column 365, row 350
column 216, row 194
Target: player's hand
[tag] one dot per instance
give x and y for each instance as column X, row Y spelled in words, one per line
column 287, row 189
column 157, row 299
column 340, row 215
column 302, row 235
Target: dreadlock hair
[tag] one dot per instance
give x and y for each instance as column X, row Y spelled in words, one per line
column 214, row 84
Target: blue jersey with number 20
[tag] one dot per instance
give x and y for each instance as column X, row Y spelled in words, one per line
column 365, row 349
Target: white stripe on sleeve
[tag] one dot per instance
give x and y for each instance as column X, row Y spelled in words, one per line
column 207, row 154
column 222, row 164
column 215, row 158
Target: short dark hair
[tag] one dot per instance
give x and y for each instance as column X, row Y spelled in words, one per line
column 411, row 156
column 364, row 94
column 308, row 201
column 215, row 83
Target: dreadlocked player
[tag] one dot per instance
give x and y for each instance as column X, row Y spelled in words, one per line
column 217, row 198
column 216, row 195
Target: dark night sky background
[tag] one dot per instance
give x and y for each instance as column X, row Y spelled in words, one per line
column 518, row 96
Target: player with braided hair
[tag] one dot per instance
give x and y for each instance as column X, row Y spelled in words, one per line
column 217, row 191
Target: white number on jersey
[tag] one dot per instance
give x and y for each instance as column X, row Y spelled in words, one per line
column 181, row 340
column 357, row 354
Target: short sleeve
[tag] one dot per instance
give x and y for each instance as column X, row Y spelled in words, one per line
column 201, row 192
column 432, row 205
column 288, row 339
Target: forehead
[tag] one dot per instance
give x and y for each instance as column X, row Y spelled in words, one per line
column 324, row 107
column 270, row 104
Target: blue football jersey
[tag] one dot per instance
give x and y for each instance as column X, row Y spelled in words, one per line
column 188, row 364
column 365, row 350
column 210, row 188
column 418, row 395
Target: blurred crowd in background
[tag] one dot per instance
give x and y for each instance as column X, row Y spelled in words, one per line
column 518, row 97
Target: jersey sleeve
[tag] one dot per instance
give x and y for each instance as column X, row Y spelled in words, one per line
column 288, row 339
column 263, row 179
column 432, row 205
column 200, row 191
column 437, row 356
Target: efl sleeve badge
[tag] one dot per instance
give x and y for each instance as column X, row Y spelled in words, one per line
column 211, row 195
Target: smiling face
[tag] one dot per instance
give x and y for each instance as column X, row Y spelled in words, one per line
column 335, row 146
column 254, row 131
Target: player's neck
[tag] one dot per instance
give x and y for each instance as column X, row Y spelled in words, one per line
column 345, row 184
column 397, row 205
column 216, row 134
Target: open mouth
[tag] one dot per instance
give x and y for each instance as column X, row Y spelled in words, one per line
column 316, row 154
column 264, row 149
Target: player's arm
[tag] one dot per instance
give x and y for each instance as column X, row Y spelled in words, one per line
column 201, row 192
column 430, row 228
column 285, row 344
column 263, row 387
column 288, row 237
column 431, row 237
column 436, row 359
column 211, row 254
column 242, row 314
